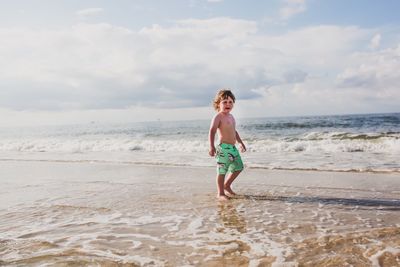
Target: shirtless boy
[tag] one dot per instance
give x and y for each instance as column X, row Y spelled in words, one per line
column 227, row 156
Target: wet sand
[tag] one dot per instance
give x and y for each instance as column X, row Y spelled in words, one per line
column 88, row 214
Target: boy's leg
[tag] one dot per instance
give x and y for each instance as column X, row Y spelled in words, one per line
column 231, row 177
column 234, row 170
column 220, row 187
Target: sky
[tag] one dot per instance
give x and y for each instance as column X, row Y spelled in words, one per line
column 73, row 61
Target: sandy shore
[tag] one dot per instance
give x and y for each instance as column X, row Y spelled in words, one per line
column 65, row 213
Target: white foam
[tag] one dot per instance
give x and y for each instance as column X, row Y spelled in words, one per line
column 310, row 142
column 100, row 144
column 194, row 225
column 375, row 258
column 338, row 155
column 143, row 261
column 144, row 236
column 254, row 263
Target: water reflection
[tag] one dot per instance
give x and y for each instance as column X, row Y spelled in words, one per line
column 231, row 218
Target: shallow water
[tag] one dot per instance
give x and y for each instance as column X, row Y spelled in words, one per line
column 81, row 214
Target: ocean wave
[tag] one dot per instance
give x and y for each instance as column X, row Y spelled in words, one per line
column 101, row 145
column 295, row 125
column 387, row 145
column 310, row 142
column 350, row 136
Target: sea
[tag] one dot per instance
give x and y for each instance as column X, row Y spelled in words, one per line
column 143, row 194
column 348, row 143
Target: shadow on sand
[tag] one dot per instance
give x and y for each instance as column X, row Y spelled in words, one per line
column 381, row 204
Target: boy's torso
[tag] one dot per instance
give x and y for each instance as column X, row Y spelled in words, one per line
column 227, row 132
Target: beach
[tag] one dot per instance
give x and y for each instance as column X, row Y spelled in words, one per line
column 91, row 213
column 119, row 121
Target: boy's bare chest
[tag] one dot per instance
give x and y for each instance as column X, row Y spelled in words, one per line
column 228, row 122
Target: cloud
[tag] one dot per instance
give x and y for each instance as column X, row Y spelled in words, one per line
column 291, row 8
column 102, row 66
column 89, row 12
column 295, row 76
column 375, row 41
column 375, row 74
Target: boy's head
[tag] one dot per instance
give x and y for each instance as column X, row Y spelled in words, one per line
column 222, row 95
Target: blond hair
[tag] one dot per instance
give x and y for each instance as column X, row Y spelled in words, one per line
column 221, row 95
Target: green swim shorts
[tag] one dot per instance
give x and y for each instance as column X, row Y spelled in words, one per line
column 228, row 159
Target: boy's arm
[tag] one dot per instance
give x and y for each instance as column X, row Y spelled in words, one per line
column 239, row 140
column 211, row 134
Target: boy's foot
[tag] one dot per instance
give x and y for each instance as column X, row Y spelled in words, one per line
column 230, row 191
column 222, row 197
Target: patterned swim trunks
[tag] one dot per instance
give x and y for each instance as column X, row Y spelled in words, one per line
column 228, row 159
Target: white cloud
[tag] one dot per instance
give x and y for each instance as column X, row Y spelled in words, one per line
column 291, row 8
column 375, row 74
column 101, row 66
column 89, row 12
column 375, row 41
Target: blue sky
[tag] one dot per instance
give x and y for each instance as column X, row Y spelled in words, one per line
column 138, row 14
column 120, row 61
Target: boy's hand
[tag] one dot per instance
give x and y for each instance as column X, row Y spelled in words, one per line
column 211, row 152
column 242, row 147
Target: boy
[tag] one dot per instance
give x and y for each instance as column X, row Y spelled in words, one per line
column 228, row 157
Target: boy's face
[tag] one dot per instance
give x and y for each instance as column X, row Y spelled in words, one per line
column 226, row 105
